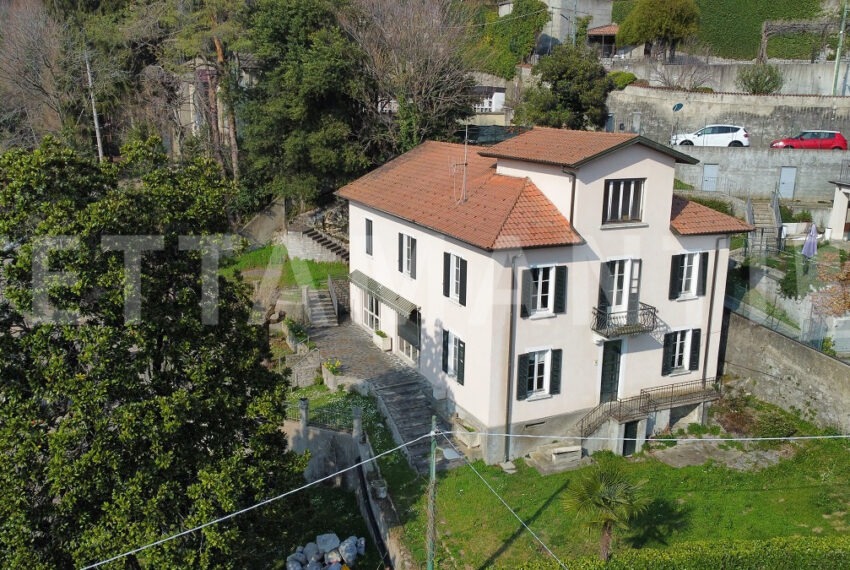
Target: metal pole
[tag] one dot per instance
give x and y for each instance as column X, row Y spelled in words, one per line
column 93, row 108
column 838, row 50
column 575, row 20
column 432, row 496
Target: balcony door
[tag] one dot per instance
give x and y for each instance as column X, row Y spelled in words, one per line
column 610, row 384
column 619, row 286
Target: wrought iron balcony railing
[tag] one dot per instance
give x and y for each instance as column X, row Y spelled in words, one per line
column 642, row 319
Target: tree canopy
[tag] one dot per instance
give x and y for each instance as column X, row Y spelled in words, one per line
column 665, row 23
column 572, row 93
column 120, row 428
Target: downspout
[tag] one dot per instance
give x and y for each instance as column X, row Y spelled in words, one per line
column 711, row 312
column 511, row 350
column 572, row 176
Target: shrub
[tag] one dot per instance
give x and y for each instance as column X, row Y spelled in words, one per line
column 760, row 79
column 804, row 216
column 774, row 423
column 786, row 213
column 828, row 347
column 622, row 79
column 641, row 83
column 334, row 365
column 381, row 333
column 680, row 185
column 714, row 204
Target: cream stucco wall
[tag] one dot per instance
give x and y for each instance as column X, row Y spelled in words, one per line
column 484, row 323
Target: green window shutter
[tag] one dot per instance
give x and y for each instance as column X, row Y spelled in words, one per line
column 667, row 355
column 675, row 276
column 445, row 351
column 462, row 295
column 522, row 377
column 555, row 372
column 461, row 358
column 703, row 273
column 695, row 341
column 401, row 252
column 447, row 273
column 561, row 289
column 525, row 294
column 605, row 285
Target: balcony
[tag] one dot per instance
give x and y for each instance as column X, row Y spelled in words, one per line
column 642, row 319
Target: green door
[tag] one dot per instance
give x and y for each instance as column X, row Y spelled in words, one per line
column 611, row 352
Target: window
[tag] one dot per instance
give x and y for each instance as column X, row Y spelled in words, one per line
column 538, row 374
column 368, row 236
column 544, row 290
column 407, row 255
column 681, row 352
column 371, row 311
column 622, row 201
column 454, row 356
column 688, row 274
column 408, row 349
column 619, row 286
column 454, row 278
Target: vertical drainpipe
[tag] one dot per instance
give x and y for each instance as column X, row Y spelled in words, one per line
column 710, row 316
column 509, row 401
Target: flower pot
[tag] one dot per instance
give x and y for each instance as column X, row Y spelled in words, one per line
column 383, row 342
column 379, row 487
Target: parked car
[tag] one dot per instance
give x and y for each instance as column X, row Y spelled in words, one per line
column 832, row 140
column 714, row 135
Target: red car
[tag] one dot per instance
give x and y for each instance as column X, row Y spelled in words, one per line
column 832, row 140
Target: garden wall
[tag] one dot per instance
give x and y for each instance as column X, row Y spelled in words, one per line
column 788, row 374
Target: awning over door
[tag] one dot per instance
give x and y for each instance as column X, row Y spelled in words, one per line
column 387, row 296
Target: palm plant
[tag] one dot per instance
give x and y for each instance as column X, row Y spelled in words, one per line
column 606, row 499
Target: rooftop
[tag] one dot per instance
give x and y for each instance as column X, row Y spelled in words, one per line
column 691, row 219
column 571, row 149
column 428, row 186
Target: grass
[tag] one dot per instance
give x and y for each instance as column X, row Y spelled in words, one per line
column 754, row 298
column 296, row 272
column 733, row 28
column 805, row 495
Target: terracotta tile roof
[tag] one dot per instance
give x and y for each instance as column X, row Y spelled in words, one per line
column 564, row 147
column 691, row 219
column 608, row 30
column 425, row 185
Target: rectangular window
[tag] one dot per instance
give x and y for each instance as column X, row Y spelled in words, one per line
column 539, row 374
column 371, row 311
column 408, row 349
column 681, row 352
column 623, row 201
column 454, row 356
column 688, row 273
column 368, row 237
column 544, row 290
column 407, row 255
column 454, row 277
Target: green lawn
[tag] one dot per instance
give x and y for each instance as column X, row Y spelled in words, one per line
column 733, row 28
column 296, row 271
column 807, row 494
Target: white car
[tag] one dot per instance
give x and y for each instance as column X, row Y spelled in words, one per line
column 714, row 135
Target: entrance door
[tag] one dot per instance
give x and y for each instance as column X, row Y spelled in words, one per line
column 787, row 181
column 709, row 177
column 610, row 385
column 630, row 438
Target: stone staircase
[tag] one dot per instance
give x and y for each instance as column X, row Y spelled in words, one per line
column 765, row 237
column 320, row 309
column 328, row 243
column 405, row 399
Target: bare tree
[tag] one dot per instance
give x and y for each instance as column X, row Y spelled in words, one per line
column 413, row 53
column 33, row 69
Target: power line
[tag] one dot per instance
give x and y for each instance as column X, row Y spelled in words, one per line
column 654, row 439
column 252, row 507
column 492, row 490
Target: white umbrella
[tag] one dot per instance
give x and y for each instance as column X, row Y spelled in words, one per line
column 810, row 247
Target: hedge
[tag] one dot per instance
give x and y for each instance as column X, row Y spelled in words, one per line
column 785, row 553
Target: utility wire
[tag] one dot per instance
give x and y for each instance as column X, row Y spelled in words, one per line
column 655, row 439
column 252, row 507
column 492, row 490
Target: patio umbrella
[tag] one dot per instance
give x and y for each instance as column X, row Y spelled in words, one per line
column 810, row 247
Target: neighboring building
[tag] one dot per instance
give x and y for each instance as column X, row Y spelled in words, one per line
column 563, row 18
column 549, row 284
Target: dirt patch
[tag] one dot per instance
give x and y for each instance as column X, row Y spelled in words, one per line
column 697, row 452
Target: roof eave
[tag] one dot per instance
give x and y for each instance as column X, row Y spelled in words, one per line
column 710, row 233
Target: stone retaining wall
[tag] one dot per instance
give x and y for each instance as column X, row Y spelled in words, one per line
column 788, row 374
